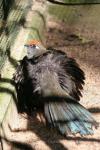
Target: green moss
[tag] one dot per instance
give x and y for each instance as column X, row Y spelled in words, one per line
column 37, row 27
column 10, row 26
column 84, row 15
column 61, row 12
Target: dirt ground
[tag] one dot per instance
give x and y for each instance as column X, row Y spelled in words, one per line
column 86, row 51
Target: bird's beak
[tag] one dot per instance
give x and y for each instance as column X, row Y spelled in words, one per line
column 26, row 45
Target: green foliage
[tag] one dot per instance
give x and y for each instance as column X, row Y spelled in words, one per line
column 12, row 18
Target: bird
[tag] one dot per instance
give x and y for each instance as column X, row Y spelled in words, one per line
column 48, row 79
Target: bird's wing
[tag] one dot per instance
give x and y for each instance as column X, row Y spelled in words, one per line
column 23, row 87
column 71, row 77
column 18, row 76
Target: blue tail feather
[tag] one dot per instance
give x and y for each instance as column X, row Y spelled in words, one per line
column 70, row 117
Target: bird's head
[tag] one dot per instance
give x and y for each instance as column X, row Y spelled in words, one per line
column 34, row 48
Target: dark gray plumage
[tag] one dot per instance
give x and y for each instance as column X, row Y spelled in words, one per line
column 53, row 81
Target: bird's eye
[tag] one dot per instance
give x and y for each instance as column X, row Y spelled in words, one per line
column 33, row 46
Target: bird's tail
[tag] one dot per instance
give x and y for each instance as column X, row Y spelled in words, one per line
column 69, row 117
